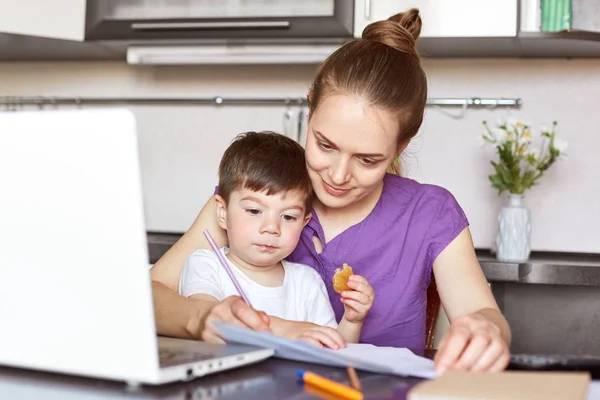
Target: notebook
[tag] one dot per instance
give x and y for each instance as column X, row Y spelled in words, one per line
column 383, row 360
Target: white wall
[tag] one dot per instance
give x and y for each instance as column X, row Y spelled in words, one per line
column 62, row 19
column 180, row 146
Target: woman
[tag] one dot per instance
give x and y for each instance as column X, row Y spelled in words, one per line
column 366, row 104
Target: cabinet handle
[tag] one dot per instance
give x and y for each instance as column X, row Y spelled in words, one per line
column 167, row 26
column 367, row 9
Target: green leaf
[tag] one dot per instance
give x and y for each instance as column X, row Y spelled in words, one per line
column 528, row 179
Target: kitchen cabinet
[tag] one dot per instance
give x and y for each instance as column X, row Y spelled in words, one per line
column 475, row 28
column 446, row 19
column 217, row 20
column 59, row 19
column 104, row 29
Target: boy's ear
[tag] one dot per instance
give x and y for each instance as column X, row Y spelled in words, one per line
column 307, row 218
column 221, row 207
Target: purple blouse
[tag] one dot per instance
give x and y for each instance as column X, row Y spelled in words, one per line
column 394, row 248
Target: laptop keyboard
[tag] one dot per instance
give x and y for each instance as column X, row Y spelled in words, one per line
column 590, row 363
column 170, row 357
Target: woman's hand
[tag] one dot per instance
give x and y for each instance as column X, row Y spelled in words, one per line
column 357, row 302
column 323, row 336
column 473, row 343
column 233, row 310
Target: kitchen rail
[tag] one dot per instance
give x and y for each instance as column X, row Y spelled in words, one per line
column 14, row 103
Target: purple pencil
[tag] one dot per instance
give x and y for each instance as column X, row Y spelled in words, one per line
column 225, row 265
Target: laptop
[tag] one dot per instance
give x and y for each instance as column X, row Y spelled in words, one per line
column 75, row 291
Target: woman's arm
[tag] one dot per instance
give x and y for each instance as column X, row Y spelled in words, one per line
column 174, row 314
column 479, row 336
column 179, row 316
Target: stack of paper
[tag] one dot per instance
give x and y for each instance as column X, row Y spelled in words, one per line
column 385, row 360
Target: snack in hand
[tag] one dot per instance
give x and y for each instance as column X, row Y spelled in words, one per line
column 340, row 278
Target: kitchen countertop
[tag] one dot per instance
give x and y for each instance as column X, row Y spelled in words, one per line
column 545, row 268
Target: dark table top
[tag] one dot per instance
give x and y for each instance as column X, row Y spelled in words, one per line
column 268, row 380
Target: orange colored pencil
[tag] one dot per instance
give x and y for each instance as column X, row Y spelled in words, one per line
column 321, row 394
column 354, row 378
column 327, row 385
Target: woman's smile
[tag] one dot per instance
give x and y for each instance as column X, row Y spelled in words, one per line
column 332, row 190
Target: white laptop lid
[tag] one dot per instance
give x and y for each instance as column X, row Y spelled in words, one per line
column 72, row 228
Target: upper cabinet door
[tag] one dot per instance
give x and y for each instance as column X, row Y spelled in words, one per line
column 60, row 19
column 456, row 18
column 220, row 19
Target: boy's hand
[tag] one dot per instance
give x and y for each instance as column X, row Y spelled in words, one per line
column 359, row 301
column 323, row 336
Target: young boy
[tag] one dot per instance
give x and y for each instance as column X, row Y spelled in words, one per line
column 264, row 200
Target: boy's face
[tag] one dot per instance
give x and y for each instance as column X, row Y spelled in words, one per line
column 262, row 230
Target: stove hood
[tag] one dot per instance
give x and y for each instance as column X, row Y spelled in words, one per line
column 223, row 32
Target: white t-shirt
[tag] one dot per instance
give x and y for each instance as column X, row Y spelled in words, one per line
column 302, row 297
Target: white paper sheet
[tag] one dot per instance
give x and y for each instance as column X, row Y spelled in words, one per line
column 594, row 390
column 386, row 360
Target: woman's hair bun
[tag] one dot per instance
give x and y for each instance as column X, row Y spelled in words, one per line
column 399, row 32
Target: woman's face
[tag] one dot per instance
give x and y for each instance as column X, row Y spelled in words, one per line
column 349, row 147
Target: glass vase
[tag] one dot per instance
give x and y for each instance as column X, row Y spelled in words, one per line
column 514, row 231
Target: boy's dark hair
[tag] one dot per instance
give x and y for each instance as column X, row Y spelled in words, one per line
column 264, row 161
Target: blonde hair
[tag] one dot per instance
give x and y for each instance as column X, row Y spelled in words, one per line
column 384, row 67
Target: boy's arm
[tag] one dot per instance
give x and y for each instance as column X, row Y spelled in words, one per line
column 350, row 330
column 291, row 330
column 357, row 301
column 309, row 332
column 321, row 312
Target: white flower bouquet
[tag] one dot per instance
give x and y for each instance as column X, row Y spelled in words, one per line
column 523, row 158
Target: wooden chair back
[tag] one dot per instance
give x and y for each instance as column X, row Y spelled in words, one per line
column 433, row 310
